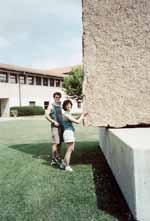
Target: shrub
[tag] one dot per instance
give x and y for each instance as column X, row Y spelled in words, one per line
column 26, row 111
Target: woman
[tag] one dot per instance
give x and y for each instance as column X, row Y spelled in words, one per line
column 68, row 134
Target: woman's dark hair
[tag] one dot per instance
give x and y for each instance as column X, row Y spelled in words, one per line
column 56, row 94
column 65, row 103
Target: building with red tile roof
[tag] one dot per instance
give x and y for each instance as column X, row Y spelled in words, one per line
column 23, row 86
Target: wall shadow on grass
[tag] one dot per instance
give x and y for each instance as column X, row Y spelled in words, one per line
column 37, row 150
column 43, row 151
column 83, row 153
column 108, row 194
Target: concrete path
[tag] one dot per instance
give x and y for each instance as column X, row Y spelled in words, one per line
column 4, row 119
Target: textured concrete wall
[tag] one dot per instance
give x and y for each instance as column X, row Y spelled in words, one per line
column 116, row 46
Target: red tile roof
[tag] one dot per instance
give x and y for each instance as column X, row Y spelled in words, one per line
column 59, row 72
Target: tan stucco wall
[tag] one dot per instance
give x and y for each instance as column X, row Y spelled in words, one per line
column 116, row 46
column 39, row 94
column 28, row 93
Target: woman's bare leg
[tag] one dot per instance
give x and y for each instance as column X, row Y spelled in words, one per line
column 70, row 149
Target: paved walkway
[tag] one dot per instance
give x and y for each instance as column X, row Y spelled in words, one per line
column 3, row 119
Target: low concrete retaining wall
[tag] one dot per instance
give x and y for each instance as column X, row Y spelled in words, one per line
column 128, row 154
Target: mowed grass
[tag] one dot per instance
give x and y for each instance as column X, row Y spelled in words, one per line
column 32, row 190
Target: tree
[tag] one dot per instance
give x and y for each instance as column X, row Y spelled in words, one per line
column 73, row 84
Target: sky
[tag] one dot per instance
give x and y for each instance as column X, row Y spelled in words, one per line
column 41, row 33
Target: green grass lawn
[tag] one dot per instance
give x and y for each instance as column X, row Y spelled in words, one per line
column 31, row 190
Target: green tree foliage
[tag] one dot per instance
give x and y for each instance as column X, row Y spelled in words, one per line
column 73, row 83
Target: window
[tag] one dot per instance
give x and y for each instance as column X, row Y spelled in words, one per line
column 32, row 103
column 13, row 78
column 30, row 80
column 45, row 81
column 57, row 83
column 22, row 79
column 3, row 77
column 46, row 103
column 38, row 80
column 61, row 83
column 51, row 82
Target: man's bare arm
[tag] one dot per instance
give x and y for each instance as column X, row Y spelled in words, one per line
column 47, row 116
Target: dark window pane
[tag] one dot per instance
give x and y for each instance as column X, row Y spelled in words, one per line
column 22, row 79
column 30, row 80
column 52, row 82
column 32, row 103
column 57, row 83
column 3, row 77
column 46, row 103
column 45, row 81
column 38, row 80
column 13, row 78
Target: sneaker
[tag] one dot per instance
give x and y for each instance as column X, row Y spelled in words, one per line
column 68, row 169
column 53, row 162
column 62, row 165
column 58, row 161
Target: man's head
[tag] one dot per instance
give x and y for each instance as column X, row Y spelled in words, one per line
column 57, row 97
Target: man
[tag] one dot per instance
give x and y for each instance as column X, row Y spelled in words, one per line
column 54, row 115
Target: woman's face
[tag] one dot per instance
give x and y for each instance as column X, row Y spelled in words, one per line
column 68, row 107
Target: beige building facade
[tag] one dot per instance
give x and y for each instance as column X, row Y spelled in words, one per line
column 20, row 86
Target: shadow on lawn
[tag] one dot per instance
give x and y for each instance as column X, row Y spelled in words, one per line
column 108, row 194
